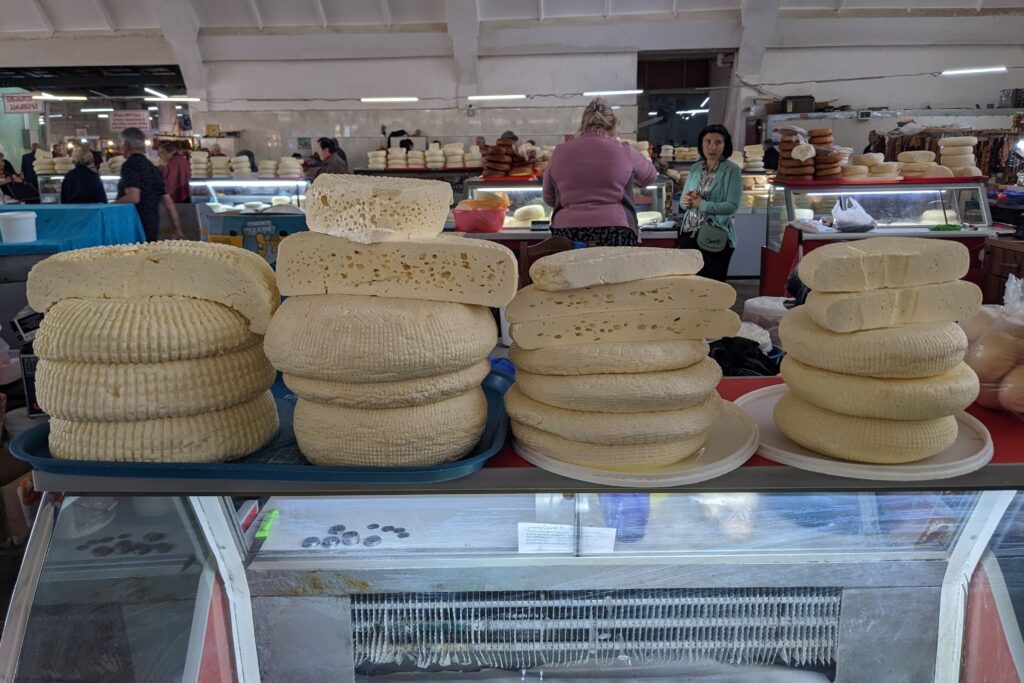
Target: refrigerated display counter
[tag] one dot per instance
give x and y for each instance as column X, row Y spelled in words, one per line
column 49, row 187
column 230, row 192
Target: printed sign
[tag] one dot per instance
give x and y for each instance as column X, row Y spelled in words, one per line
column 22, row 104
column 129, row 118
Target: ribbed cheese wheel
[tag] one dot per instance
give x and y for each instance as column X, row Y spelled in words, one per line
column 235, row 277
column 869, row 160
column 962, row 141
column 146, row 330
column 956, row 151
column 614, row 428
column 907, row 351
column 422, row 435
column 148, row 391
column 410, row 392
column 624, row 393
column 958, row 161
column 613, row 358
column 208, row 437
column 341, row 338
column 916, row 157
column 632, row 458
column 924, row 398
column 579, row 268
column 862, row 439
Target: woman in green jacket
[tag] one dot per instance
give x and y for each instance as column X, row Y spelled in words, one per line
column 710, row 197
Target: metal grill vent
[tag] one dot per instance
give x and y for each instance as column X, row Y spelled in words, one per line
column 514, row 630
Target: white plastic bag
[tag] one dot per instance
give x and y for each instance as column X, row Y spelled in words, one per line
column 853, row 217
column 996, row 351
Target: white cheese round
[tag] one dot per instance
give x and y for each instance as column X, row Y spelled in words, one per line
column 916, row 157
column 613, row 358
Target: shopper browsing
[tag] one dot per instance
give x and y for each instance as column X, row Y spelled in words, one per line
column 331, row 157
column 589, row 182
column 142, row 184
column 176, row 172
column 710, row 197
column 82, row 185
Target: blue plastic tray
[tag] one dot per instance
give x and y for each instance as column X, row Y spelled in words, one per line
column 280, row 460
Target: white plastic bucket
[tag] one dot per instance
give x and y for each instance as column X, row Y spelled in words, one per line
column 18, row 226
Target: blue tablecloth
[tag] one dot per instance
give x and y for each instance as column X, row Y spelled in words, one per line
column 63, row 227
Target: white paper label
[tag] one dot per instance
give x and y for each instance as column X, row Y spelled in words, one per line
column 558, row 538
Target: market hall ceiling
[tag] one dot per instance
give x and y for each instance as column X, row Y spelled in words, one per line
column 111, row 81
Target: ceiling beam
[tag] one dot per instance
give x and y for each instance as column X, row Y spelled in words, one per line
column 254, row 10
column 104, row 11
column 463, row 20
column 758, row 19
column 43, row 16
column 899, row 31
column 321, row 45
column 321, row 15
column 385, row 13
column 680, row 34
column 178, row 22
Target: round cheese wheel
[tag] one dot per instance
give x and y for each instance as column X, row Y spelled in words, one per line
column 867, row 159
column 916, row 166
column 958, row 161
column 795, row 163
column 919, row 350
column 819, row 132
column 862, row 439
column 967, row 172
column 624, row 393
column 620, row 458
column 957, row 151
column 855, row 171
column 964, row 141
column 924, row 398
column 803, row 152
column 610, row 358
column 885, row 168
column 916, row 157
column 348, row 338
column 938, row 172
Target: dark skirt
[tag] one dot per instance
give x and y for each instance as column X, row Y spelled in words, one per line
column 716, row 264
column 598, row 237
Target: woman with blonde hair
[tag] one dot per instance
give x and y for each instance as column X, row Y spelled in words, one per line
column 589, row 182
column 82, row 185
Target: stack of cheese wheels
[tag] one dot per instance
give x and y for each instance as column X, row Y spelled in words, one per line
column 116, row 162
column 687, row 154
column 397, row 158
column 434, row 156
column 753, row 158
column 200, row 162
column 828, row 162
column 241, row 167
column 860, row 165
column 919, row 164
column 377, row 160
column 474, row 157
column 266, row 168
column 957, row 154
column 220, row 166
column 642, row 146
column 667, row 153
column 151, row 352
column 43, row 165
column 416, row 158
column 62, row 165
column 612, row 369
column 289, row 167
column 386, row 332
column 874, row 362
column 800, row 167
column 454, row 155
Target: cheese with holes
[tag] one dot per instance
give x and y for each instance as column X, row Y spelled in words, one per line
column 923, row 398
column 371, row 209
column 673, row 292
column 410, row 392
column 208, row 437
column 853, row 311
column 578, row 268
column 964, row 141
column 342, row 338
column 881, row 262
column 614, row 428
column 919, row 350
column 624, row 393
column 632, row 458
column 915, row 157
column 147, row 330
column 235, row 277
column 421, row 435
column 148, row 391
column 862, row 439
column 454, row 269
column 625, row 326
column 614, row 358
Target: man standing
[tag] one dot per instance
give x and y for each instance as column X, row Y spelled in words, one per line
column 771, row 156
column 27, row 166
column 332, row 159
column 142, row 184
column 176, row 172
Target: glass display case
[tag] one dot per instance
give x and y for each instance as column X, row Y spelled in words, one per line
column 665, row 586
column 49, row 187
column 228, row 192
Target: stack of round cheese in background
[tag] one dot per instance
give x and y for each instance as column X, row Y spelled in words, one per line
column 152, row 352
column 62, row 165
column 753, row 158
column 289, row 167
column 115, row 162
column 874, row 362
column 474, row 157
column 397, row 158
column 792, row 168
column 267, row 168
column 200, row 162
column 386, row 331
column 860, row 165
column 416, row 158
column 220, row 166
column 687, row 154
column 434, row 156
column 667, row 153
column 454, row 155
column 828, row 161
column 612, row 369
column 737, row 158
column 957, row 154
column 920, row 164
column 241, row 167
column 43, row 165
column 377, row 160
column 643, row 147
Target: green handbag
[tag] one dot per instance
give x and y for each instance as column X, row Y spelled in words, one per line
column 712, row 237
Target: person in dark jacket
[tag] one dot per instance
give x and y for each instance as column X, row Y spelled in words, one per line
column 771, row 156
column 28, row 170
column 82, row 185
column 7, row 169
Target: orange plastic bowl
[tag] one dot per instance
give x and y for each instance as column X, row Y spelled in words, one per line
column 479, row 220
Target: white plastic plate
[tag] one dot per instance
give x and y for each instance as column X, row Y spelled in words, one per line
column 972, row 450
column 730, row 443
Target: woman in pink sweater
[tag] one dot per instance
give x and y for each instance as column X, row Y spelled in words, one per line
column 589, row 182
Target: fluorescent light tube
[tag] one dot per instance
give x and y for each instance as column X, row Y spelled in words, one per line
column 171, row 99
column 692, row 111
column 389, row 99
column 156, row 92
column 706, row 100
column 103, row 116
column 652, row 113
column 480, row 98
column 599, row 93
column 96, row 109
column 978, row 70
column 48, row 96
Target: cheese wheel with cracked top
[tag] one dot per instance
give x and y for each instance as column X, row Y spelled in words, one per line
column 613, row 358
column 624, row 393
column 609, row 265
column 614, row 428
column 625, row 326
column 916, row 157
column 855, row 171
column 862, row 439
column 914, row 166
column 924, row 398
column 908, row 351
column 883, row 262
column 868, row 160
column 878, row 308
column 619, row 458
column 964, row 141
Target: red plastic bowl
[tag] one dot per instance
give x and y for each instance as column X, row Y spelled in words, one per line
column 479, row 220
